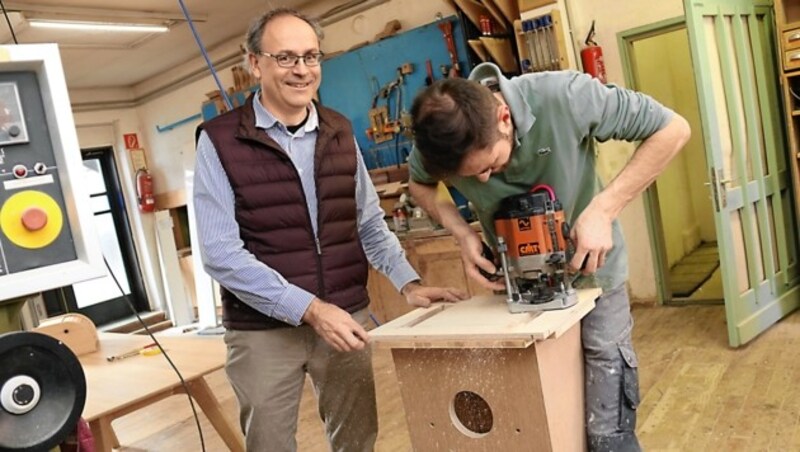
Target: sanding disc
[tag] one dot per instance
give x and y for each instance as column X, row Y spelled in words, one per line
column 42, row 392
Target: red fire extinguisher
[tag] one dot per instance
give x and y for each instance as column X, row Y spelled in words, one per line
column 144, row 191
column 592, row 58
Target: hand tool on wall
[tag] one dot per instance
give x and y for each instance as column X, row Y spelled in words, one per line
column 547, row 23
column 528, row 30
column 447, row 32
column 429, row 71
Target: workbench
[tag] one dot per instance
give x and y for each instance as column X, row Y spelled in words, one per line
column 436, row 256
column 114, row 389
column 474, row 377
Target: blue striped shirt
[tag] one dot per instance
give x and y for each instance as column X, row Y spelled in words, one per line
column 227, row 261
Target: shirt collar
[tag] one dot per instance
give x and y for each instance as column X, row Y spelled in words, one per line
column 521, row 112
column 266, row 120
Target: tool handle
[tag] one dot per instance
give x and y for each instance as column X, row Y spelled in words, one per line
column 488, row 254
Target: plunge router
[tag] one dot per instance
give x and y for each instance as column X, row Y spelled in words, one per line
column 533, row 243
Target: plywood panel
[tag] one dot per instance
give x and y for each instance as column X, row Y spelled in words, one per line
column 482, row 321
column 430, row 379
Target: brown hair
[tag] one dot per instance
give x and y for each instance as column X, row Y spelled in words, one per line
column 256, row 30
column 450, row 119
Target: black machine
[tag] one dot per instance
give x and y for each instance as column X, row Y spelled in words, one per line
column 42, row 392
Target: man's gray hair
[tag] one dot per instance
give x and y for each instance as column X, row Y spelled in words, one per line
column 256, row 30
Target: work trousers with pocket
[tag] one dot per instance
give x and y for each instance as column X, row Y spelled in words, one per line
column 612, row 379
column 267, row 370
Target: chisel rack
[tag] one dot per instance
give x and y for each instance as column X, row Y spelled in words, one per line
column 540, row 43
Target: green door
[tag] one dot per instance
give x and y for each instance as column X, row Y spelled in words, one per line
column 735, row 58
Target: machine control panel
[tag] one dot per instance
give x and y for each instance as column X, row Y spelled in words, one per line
column 32, row 230
column 46, row 225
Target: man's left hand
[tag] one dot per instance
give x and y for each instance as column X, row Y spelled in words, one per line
column 421, row 296
column 592, row 237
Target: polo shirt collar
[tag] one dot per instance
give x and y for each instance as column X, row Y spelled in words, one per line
column 520, row 110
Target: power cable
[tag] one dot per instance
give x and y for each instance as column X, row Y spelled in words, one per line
column 163, row 352
column 197, row 39
column 8, row 21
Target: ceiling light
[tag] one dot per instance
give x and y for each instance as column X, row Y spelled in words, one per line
column 97, row 26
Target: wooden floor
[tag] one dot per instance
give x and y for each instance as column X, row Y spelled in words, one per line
column 698, row 394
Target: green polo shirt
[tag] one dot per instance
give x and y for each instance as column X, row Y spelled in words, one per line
column 557, row 116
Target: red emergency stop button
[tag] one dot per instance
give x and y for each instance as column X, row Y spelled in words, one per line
column 34, row 218
column 20, row 171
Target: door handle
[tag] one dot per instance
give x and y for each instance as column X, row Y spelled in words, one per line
column 793, row 37
column 794, row 56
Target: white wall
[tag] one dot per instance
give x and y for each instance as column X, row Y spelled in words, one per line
column 363, row 27
column 101, row 128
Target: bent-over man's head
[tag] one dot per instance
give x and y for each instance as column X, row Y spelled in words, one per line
column 461, row 128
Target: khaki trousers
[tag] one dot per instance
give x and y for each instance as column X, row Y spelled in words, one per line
column 267, row 369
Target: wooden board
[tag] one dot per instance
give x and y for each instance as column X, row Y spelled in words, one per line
column 527, row 5
column 500, row 51
column 509, row 8
column 436, row 257
column 478, row 48
column 480, row 322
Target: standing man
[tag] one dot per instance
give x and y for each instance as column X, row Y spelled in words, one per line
column 288, row 222
column 492, row 137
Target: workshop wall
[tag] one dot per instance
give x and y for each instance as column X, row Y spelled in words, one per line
column 612, row 17
column 654, row 68
column 171, row 154
column 100, row 128
column 170, row 122
column 362, row 27
column 352, row 81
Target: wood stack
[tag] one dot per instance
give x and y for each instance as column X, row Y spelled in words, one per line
column 242, row 78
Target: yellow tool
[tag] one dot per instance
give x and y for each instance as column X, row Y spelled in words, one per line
column 147, row 350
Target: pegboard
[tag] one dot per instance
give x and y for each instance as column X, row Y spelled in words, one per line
column 350, row 80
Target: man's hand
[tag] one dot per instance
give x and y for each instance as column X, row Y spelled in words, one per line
column 592, row 237
column 421, row 296
column 472, row 256
column 335, row 326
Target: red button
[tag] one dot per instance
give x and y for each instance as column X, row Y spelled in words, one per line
column 34, row 218
column 20, row 171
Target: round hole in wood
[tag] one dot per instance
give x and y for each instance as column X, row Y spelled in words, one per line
column 471, row 414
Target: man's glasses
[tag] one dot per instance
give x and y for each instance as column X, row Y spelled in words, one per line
column 290, row 60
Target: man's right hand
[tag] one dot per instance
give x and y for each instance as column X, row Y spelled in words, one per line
column 472, row 256
column 336, row 326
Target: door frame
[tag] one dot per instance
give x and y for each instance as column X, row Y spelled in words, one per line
column 61, row 301
column 655, row 228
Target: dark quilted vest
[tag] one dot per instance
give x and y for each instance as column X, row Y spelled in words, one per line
column 274, row 222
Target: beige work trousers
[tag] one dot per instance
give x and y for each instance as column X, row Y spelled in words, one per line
column 267, row 369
